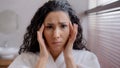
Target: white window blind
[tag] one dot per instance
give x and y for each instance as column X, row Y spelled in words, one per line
column 104, row 37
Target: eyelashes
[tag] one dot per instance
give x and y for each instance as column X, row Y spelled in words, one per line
column 62, row 26
column 49, row 27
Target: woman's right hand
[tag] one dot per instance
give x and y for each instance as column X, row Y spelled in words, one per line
column 43, row 49
column 44, row 53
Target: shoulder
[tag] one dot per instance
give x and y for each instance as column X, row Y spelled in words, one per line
column 24, row 59
column 86, row 58
column 28, row 54
column 27, row 57
column 83, row 53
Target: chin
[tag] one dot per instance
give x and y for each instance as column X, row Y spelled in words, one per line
column 58, row 49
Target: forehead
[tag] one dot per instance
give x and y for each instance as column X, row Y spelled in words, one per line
column 57, row 16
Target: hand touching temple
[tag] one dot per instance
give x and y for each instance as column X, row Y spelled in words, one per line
column 54, row 40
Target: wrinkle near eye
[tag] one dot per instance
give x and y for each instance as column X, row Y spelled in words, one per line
column 63, row 26
column 54, row 25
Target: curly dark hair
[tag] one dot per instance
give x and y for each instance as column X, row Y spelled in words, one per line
column 30, row 43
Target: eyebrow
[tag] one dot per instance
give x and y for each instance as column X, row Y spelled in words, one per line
column 49, row 24
column 62, row 22
column 59, row 23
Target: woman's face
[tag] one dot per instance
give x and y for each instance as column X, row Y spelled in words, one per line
column 56, row 30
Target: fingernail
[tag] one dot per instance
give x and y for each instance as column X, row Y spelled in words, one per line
column 75, row 25
column 38, row 32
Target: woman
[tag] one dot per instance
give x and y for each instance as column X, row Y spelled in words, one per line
column 54, row 40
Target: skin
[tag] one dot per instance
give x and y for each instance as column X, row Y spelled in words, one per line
column 59, row 35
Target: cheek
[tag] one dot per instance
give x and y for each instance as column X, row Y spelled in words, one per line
column 66, row 33
column 47, row 35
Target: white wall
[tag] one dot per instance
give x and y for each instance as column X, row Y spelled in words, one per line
column 25, row 10
column 80, row 6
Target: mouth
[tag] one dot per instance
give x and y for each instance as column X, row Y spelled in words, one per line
column 56, row 43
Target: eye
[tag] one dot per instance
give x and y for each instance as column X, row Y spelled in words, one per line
column 49, row 27
column 63, row 26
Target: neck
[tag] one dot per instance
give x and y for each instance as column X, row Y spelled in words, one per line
column 55, row 54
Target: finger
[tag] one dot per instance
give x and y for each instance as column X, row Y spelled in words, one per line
column 41, row 43
column 40, row 39
column 73, row 35
column 40, row 32
column 41, row 29
column 40, row 36
column 71, row 28
column 43, row 48
column 70, row 43
column 75, row 31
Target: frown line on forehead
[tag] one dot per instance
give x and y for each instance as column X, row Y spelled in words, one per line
column 52, row 23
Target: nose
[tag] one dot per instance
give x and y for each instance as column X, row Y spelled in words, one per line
column 56, row 33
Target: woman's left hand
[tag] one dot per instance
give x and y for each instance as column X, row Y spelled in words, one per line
column 69, row 60
column 69, row 46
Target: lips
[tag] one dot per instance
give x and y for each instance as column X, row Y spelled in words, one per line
column 56, row 43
